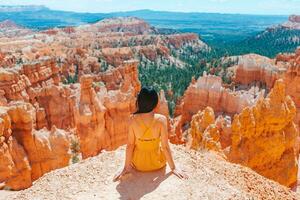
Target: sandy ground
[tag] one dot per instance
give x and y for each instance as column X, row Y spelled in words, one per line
column 210, row 178
column 4, row 194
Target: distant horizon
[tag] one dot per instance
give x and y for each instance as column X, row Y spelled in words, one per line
column 151, row 10
column 254, row 7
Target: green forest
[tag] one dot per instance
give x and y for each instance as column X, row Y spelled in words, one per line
column 267, row 43
column 176, row 79
column 171, row 78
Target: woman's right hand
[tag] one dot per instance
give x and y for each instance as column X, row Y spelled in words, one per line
column 121, row 173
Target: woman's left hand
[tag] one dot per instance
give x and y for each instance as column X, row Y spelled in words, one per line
column 179, row 173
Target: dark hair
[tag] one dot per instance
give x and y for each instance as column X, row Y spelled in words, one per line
column 147, row 100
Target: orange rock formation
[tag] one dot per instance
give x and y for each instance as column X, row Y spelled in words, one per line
column 29, row 153
column 41, row 115
column 15, row 171
column 10, row 29
column 255, row 68
column 292, row 23
column 90, row 121
column 209, row 91
column 208, row 132
column 262, row 137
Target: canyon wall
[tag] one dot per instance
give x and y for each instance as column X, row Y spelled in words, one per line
column 262, row 137
column 208, row 90
column 106, row 44
column 293, row 23
column 255, row 68
column 265, row 71
column 73, row 89
column 9, row 29
column 263, row 132
column 30, row 149
column 29, row 153
column 41, row 116
column 209, row 132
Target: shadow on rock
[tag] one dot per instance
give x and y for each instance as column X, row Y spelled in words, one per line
column 140, row 184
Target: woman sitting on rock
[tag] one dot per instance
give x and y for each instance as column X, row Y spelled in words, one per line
column 148, row 147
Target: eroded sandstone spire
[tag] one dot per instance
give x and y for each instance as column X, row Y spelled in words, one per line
column 262, row 137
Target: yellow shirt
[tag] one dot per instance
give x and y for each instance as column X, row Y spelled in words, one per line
column 147, row 155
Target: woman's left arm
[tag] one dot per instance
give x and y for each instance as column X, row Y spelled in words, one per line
column 129, row 148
